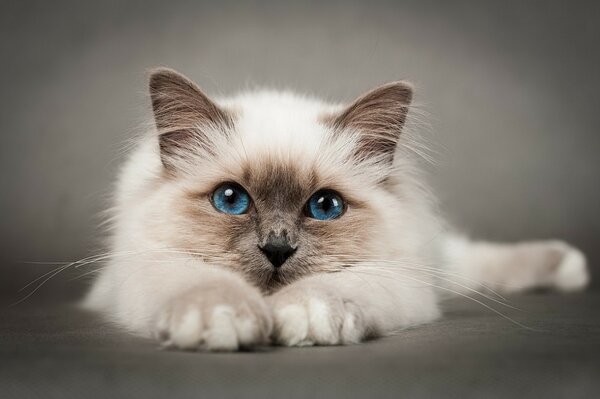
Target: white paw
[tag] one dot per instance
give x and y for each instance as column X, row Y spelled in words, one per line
column 214, row 318
column 572, row 272
column 306, row 316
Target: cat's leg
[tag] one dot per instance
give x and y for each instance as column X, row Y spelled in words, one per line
column 187, row 306
column 350, row 306
column 513, row 267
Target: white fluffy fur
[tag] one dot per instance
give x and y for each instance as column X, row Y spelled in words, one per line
column 154, row 290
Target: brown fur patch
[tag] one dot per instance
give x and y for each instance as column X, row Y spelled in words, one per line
column 279, row 192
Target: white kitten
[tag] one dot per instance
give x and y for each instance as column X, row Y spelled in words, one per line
column 274, row 216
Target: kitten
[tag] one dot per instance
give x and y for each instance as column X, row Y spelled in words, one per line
column 274, row 217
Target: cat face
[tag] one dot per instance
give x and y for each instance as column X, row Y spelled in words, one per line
column 275, row 188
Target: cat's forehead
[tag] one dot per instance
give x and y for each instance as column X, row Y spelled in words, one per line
column 279, row 120
column 271, row 179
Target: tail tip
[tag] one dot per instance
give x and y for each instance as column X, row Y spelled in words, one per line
column 572, row 273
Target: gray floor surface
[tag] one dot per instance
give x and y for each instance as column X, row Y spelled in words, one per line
column 55, row 350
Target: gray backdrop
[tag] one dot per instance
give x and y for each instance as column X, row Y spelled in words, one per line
column 511, row 89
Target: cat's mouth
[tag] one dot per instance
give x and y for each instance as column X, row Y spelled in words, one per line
column 274, row 281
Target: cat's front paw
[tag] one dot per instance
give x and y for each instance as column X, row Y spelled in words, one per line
column 315, row 315
column 216, row 318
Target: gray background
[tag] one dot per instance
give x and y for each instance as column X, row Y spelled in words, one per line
column 511, row 90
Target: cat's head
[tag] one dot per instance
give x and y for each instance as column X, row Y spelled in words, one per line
column 276, row 185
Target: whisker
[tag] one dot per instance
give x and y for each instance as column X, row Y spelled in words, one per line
column 464, row 296
column 423, row 267
column 460, row 285
column 56, row 272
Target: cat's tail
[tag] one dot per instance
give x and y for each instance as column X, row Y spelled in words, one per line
column 476, row 265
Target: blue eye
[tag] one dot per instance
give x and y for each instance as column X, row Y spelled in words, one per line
column 231, row 198
column 325, row 205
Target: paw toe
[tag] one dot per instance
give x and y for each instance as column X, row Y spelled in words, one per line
column 186, row 333
column 222, row 335
column 352, row 331
column 324, row 326
column 291, row 325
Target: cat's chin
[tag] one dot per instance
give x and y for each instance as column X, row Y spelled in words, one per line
column 274, row 281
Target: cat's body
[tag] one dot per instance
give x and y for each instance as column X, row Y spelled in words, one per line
column 197, row 272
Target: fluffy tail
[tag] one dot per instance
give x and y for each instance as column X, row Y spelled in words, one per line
column 513, row 267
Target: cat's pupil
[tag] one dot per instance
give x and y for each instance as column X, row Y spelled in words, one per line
column 325, row 203
column 230, row 195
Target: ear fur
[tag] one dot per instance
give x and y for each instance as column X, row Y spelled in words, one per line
column 181, row 109
column 378, row 117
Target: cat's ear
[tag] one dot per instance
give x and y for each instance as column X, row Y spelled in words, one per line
column 183, row 114
column 378, row 118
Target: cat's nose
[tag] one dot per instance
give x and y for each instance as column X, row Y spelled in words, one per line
column 277, row 249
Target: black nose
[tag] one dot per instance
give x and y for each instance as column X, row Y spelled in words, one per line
column 277, row 250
